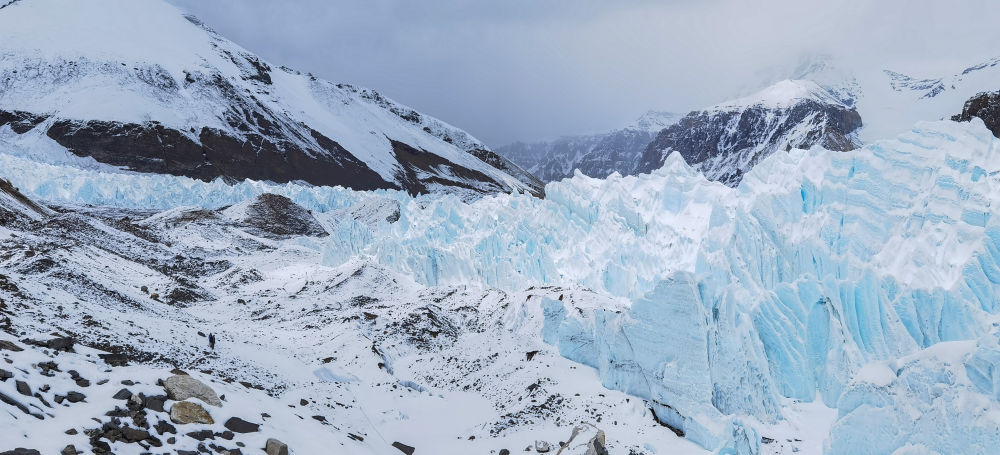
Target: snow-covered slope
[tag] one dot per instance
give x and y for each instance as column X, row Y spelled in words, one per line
column 139, row 85
column 890, row 101
column 833, row 302
column 727, row 140
column 597, row 155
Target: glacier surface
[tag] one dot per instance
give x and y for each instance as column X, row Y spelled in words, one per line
column 868, row 281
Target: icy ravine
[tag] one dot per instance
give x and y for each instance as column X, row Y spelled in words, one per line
column 867, row 280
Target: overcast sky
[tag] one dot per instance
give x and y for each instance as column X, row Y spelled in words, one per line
column 508, row 70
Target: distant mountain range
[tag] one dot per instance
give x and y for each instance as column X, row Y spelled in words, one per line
column 595, row 155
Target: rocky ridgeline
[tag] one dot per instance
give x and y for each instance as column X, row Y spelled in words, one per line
column 171, row 416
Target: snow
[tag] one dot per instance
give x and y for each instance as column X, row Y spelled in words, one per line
column 858, row 279
column 782, row 94
column 654, row 121
column 128, row 61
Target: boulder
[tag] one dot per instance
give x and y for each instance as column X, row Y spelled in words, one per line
column 123, row 394
column 181, row 388
column 184, row 412
column 596, row 445
column 239, row 425
column 7, row 345
column 69, row 450
column 154, row 403
column 23, row 388
column 275, row 447
column 21, row 451
column 134, row 434
column 542, row 447
column 403, row 448
column 164, row 427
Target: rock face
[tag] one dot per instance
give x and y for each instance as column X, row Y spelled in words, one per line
column 181, row 387
column 986, row 106
column 185, row 412
column 727, row 140
column 278, row 215
column 209, row 108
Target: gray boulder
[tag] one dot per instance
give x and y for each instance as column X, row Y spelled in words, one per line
column 275, row 447
column 183, row 387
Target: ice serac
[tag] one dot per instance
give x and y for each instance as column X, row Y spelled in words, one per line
column 141, row 86
column 727, row 140
column 595, row 155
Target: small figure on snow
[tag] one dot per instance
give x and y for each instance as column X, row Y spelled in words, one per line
column 211, row 341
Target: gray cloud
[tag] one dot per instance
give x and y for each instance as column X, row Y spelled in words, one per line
column 527, row 69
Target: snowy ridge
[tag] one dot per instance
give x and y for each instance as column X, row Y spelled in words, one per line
column 654, row 121
column 112, row 68
column 781, row 95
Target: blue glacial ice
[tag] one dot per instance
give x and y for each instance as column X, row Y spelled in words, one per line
column 869, row 280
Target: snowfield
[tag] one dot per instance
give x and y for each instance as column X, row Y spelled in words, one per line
column 833, row 302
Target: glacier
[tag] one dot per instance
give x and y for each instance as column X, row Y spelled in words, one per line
column 867, row 281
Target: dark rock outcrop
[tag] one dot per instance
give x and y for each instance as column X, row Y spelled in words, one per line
column 278, row 215
column 261, row 154
column 724, row 144
column 239, row 425
column 985, row 106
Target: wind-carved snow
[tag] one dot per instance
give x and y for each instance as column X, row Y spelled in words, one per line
column 867, row 281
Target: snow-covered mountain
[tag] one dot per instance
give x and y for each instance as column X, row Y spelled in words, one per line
column 818, row 101
column 596, row 155
column 725, row 141
column 139, row 85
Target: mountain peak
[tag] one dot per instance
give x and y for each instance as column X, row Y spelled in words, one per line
column 654, row 121
column 782, row 94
